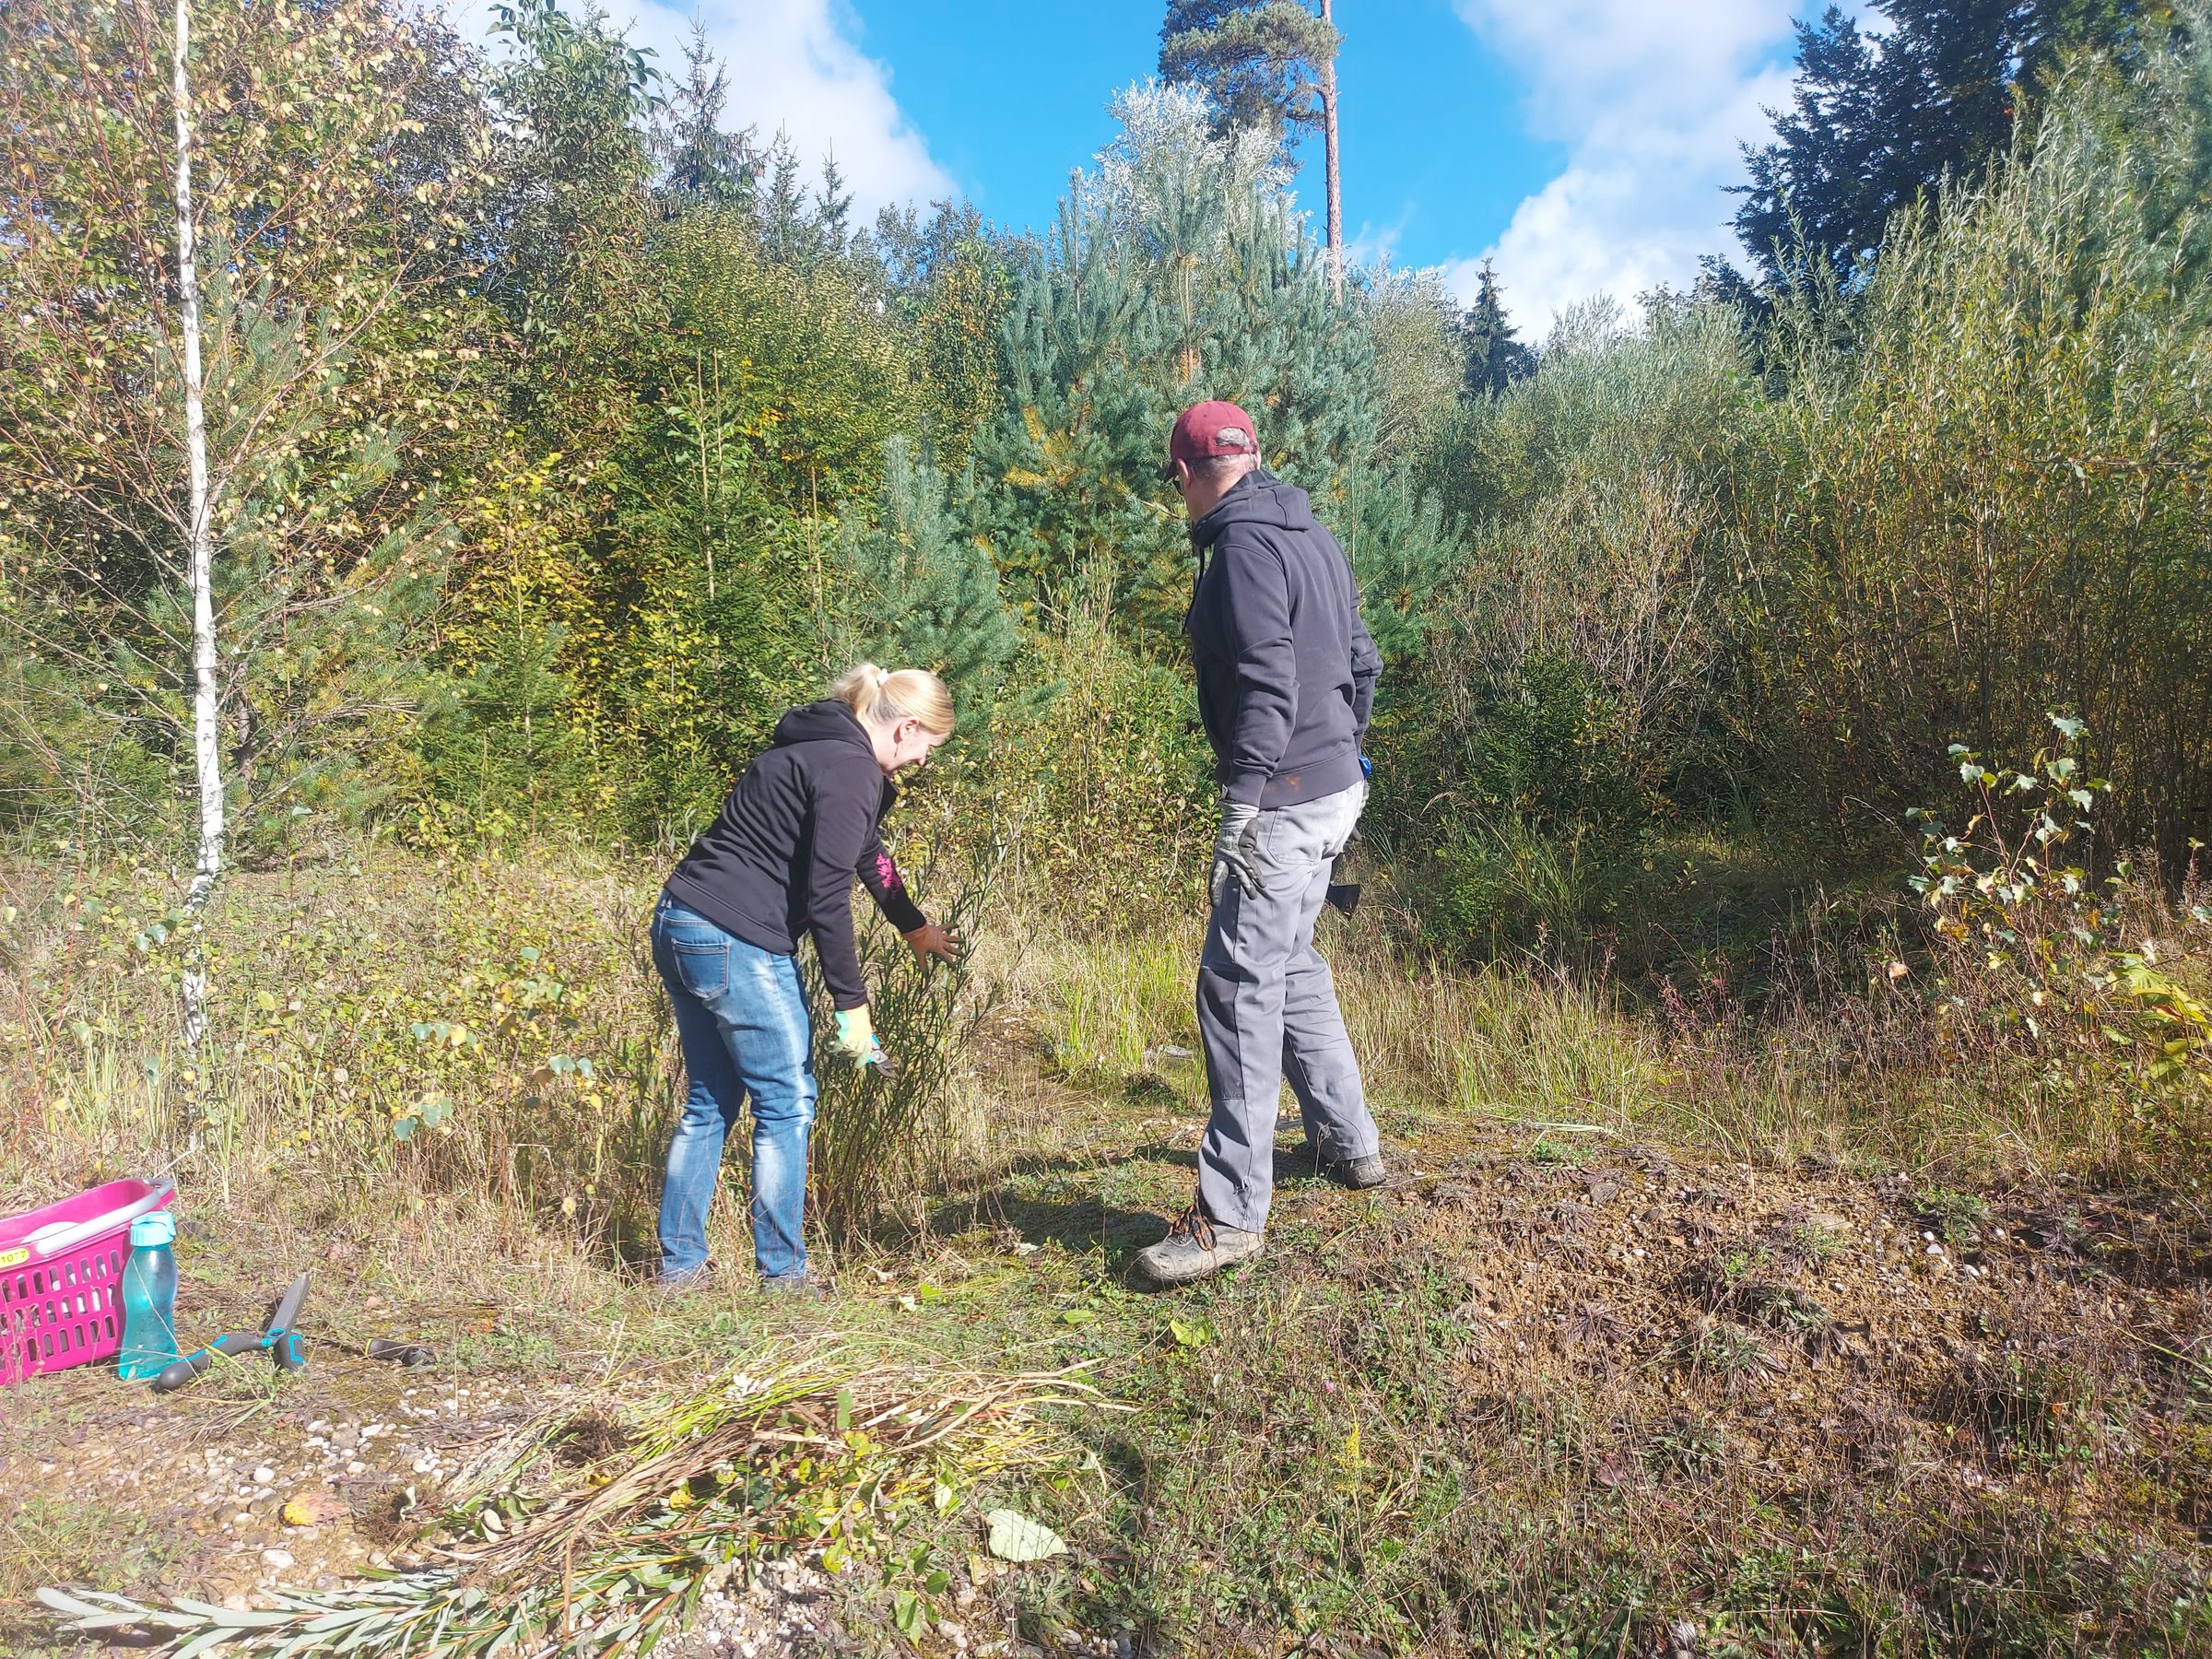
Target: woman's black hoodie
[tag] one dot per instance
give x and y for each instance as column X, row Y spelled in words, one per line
column 779, row 858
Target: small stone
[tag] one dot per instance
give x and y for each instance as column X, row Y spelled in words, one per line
column 279, row 1558
column 356, row 1467
column 264, row 1476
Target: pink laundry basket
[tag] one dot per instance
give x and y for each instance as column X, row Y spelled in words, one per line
column 61, row 1277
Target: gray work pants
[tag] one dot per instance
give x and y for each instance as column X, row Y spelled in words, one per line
column 1267, row 1010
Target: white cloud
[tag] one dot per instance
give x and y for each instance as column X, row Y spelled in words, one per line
column 1652, row 101
column 795, row 66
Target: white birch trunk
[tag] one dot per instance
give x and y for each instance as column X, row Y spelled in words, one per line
column 1328, row 145
column 206, row 729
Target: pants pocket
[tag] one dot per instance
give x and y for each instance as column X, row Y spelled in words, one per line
column 701, row 963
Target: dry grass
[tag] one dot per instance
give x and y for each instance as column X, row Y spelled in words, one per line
column 1464, row 1416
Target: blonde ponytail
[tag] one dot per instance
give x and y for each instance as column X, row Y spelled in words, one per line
column 882, row 696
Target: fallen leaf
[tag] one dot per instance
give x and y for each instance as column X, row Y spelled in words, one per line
column 1016, row 1537
column 313, row 1508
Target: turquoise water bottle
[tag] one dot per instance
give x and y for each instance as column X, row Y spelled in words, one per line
column 149, row 1298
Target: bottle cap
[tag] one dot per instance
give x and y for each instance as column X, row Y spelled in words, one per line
column 156, row 1227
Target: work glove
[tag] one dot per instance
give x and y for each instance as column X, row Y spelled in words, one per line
column 1237, row 848
column 930, row 940
column 856, row 1038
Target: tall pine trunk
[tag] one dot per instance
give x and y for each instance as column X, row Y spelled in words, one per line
column 1328, row 146
column 205, row 732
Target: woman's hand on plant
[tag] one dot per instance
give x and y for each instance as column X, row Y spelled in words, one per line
column 856, row 1037
column 930, row 940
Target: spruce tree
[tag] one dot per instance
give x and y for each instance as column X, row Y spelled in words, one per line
column 1877, row 120
column 786, row 232
column 703, row 163
column 833, row 208
column 924, row 594
column 1496, row 358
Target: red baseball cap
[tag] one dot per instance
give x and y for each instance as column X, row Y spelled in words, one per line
column 1210, row 429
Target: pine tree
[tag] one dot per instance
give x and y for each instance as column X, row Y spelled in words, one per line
column 1258, row 60
column 1267, row 63
column 1494, row 357
column 926, row 595
column 1178, row 272
column 705, row 164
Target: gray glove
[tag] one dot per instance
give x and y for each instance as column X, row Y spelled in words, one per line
column 1236, row 847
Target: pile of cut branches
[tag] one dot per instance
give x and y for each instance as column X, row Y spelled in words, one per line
column 796, row 1450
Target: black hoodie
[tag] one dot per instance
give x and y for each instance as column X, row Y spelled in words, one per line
column 1287, row 669
column 779, row 859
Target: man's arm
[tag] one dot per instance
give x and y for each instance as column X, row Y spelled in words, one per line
column 1367, row 668
column 1255, row 604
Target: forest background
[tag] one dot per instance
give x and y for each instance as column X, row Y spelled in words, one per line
column 1800, row 684
column 563, row 439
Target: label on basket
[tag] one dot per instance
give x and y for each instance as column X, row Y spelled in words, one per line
column 14, row 1258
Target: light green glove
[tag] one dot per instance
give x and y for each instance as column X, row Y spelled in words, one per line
column 856, row 1037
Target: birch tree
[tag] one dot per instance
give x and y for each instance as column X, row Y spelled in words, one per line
column 206, row 739
column 239, row 360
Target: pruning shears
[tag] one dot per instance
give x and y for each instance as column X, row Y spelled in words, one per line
column 280, row 1337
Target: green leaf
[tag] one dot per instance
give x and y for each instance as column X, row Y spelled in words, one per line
column 203, row 1641
column 1079, row 1316
column 1016, row 1537
column 906, row 1612
column 62, row 1602
column 1191, row 1333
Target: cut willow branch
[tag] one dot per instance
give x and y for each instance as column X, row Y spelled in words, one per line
column 798, row 1448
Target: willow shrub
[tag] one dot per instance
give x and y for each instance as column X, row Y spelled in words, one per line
column 1575, row 672
column 1985, row 495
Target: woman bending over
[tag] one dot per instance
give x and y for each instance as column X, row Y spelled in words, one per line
column 779, row 861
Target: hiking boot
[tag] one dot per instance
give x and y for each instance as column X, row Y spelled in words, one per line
column 1194, row 1247
column 807, row 1283
column 1358, row 1173
column 701, row 1277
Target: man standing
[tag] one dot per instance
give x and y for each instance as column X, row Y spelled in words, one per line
column 1286, row 678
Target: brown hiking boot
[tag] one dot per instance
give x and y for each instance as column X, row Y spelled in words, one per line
column 1195, row 1246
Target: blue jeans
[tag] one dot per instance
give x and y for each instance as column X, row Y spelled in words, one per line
column 741, row 1017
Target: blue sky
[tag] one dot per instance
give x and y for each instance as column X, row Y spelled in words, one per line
column 1436, row 156
column 1580, row 142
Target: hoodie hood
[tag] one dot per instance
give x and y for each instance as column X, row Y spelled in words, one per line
column 1257, row 498
column 825, row 722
